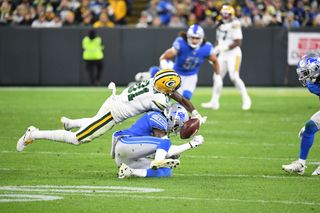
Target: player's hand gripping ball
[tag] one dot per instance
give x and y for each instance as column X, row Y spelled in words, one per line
column 190, row 128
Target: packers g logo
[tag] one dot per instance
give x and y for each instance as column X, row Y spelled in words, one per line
column 171, row 83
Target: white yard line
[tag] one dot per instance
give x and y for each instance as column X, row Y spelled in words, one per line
column 78, row 191
column 183, row 156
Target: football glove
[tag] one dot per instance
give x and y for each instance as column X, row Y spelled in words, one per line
column 196, row 114
column 166, row 64
column 196, row 141
column 112, row 86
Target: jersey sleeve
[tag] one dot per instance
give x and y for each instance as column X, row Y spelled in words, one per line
column 177, row 43
column 210, row 48
column 158, row 121
column 236, row 30
column 314, row 88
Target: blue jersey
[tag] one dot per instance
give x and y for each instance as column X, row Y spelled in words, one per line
column 144, row 126
column 189, row 60
column 314, row 88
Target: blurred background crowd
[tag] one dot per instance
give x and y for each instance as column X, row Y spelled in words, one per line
column 157, row 13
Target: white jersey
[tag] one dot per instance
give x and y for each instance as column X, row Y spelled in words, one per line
column 137, row 99
column 228, row 32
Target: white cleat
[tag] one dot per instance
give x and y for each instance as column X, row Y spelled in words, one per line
column 246, row 105
column 295, row 167
column 211, row 105
column 166, row 163
column 124, row 171
column 65, row 123
column 317, row 171
column 25, row 139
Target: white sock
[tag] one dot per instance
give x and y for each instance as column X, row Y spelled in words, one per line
column 302, row 161
column 139, row 172
column 56, row 135
column 160, row 154
column 241, row 87
column 78, row 123
column 217, row 88
column 176, row 150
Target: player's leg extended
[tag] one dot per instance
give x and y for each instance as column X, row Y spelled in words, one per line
column 234, row 64
column 217, row 86
column 188, row 85
column 69, row 124
column 125, row 172
column 307, row 138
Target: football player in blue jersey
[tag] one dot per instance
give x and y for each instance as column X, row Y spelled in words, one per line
column 144, row 150
column 190, row 50
column 308, row 71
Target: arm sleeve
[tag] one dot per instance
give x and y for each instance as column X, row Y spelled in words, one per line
column 176, row 44
column 236, row 30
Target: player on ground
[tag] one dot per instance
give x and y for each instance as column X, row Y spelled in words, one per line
column 190, row 49
column 229, row 37
column 309, row 75
column 152, row 94
column 143, row 150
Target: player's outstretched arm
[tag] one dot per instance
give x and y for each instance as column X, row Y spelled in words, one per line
column 167, row 55
column 188, row 105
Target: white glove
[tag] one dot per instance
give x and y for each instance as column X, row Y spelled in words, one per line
column 196, row 114
column 196, row 141
column 166, row 64
column 112, row 86
column 301, row 132
column 220, row 48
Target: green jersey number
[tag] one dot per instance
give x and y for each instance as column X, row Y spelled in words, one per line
column 138, row 89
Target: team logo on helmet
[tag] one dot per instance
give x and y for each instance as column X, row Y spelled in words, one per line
column 166, row 81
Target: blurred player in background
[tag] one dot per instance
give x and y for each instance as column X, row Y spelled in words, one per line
column 152, row 94
column 189, row 50
column 308, row 71
column 229, row 37
column 144, row 150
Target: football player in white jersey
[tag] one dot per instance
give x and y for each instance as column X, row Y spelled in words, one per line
column 152, row 94
column 229, row 37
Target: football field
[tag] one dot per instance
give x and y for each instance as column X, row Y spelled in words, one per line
column 237, row 169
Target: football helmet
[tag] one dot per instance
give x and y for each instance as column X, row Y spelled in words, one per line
column 195, row 35
column 227, row 13
column 177, row 115
column 166, row 81
column 308, row 68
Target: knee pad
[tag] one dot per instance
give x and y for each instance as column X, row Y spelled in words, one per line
column 310, row 127
column 165, row 145
column 187, row 94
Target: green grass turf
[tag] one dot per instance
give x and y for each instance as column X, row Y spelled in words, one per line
column 238, row 169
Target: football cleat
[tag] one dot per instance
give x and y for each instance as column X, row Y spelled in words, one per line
column 25, row 139
column 317, row 171
column 65, row 123
column 124, row 171
column 246, row 105
column 211, row 105
column 295, row 167
column 166, row 163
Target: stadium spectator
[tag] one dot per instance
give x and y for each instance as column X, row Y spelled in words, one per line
column 165, row 10
column 40, row 22
column 156, row 22
column 5, row 12
column 143, row 20
column 103, row 21
column 120, row 11
column 86, row 17
column 290, row 22
column 69, row 19
column 176, row 21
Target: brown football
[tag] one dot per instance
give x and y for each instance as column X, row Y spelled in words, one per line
column 190, row 128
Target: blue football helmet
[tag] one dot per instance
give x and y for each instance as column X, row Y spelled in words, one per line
column 195, row 35
column 308, row 68
column 177, row 115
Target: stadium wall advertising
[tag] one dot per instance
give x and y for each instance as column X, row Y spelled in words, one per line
column 53, row 57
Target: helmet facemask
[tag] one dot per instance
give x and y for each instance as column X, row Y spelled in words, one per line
column 308, row 69
column 177, row 115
